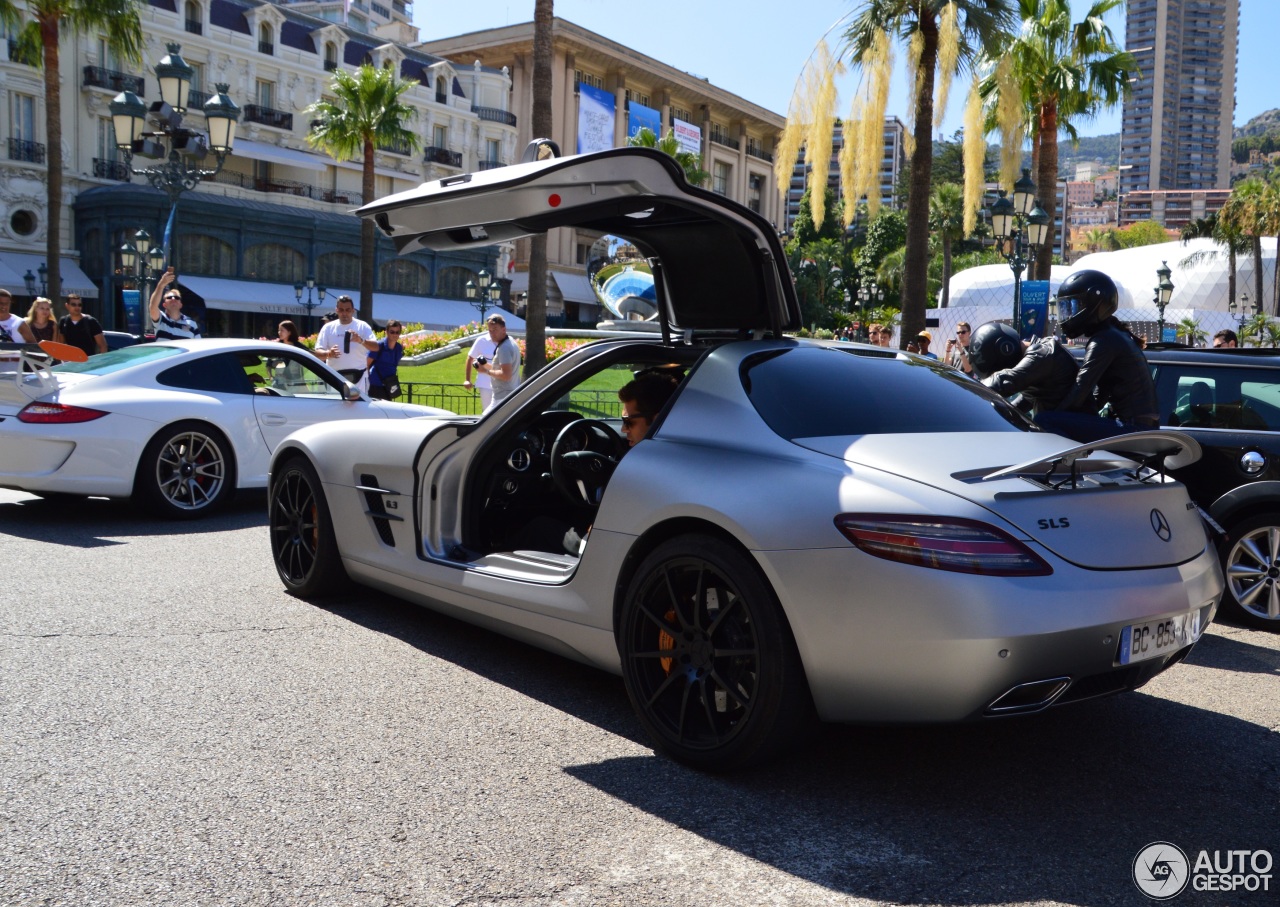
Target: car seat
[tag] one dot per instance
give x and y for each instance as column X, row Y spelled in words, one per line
column 1198, row 410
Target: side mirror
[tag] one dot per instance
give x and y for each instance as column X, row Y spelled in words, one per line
column 350, row 392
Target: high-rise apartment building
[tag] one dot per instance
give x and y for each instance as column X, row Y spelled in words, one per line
column 1176, row 129
column 892, row 162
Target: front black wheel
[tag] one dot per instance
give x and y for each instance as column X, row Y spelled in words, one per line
column 708, row 659
column 303, row 543
column 1251, row 565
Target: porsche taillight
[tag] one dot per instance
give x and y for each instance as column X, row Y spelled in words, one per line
column 941, row 543
column 57, row 414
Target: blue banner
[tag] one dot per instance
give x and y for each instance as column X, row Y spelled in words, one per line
column 1035, row 309
column 132, row 311
column 596, row 108
column 641, row 117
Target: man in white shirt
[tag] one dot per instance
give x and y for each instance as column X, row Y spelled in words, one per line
column 484, row 347
column 12, row 330
column 341, row 343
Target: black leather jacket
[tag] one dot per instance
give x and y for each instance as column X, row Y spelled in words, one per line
column 1115, row 371
column 1044, row 376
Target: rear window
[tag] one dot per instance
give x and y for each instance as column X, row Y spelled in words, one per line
column 1202, row 395
column 115, row 360
column 814, row 392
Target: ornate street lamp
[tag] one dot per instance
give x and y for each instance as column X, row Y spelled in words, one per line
column 186, row 147
column 30, row 280
column 1164, row 292
column 1246, row 310
column 142, row 262
column 1021, row 226
column 481, row 297
column 312, row 303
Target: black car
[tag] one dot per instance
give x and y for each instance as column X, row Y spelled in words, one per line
column 1229, row 401
column 118, row 339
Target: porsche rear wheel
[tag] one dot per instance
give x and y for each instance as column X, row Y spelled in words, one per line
column 186, row 471
column 303, row 543
column 708, row 659
column 1252, row 570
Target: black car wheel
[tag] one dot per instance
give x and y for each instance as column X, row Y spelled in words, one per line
column 186, row 471
column 303, row 543
column 1252, row 569
column 708, row 659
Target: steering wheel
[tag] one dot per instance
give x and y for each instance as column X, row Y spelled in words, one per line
column 583, row 458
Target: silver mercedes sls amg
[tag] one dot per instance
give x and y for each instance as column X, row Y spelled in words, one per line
column 808, row 528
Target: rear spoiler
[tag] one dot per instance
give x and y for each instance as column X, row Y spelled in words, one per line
column 33, row 362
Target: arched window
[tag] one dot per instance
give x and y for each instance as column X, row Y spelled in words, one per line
column 442, row 90
column 194, row 16
column 338, row 269
column 452, row 282
column 274, row 263
column 266, row 39
column 200, row 254
column 400, row 275
column 330, row 56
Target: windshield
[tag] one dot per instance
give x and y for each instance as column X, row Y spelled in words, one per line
column 114, row 361
column 812, row 392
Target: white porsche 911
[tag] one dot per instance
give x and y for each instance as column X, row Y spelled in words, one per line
column 806, row 528
column 178, row 425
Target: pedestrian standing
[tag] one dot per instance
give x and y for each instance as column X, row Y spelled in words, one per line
column 41, row 321
column 171, row 324
column 79, row 329
column 342, row 343
column 384, row 359
column 12, row 330
column 503, row 368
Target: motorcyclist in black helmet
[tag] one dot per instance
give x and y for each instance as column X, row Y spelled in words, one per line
column 1114, row 371
column 1039, row 373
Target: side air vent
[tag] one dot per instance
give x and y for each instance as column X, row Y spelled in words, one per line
column 376, row 510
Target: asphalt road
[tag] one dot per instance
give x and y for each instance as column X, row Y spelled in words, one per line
column 175, row 730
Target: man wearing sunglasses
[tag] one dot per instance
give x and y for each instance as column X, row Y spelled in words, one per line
column 171, row 324
column 79, row 329
column 958, row 349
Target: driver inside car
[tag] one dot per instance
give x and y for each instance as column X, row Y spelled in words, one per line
column 642, row 399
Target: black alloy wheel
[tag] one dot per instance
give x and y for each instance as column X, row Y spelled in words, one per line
column 708, row 659
column 303, row 544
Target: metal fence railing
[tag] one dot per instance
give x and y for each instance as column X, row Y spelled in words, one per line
column 466, row 402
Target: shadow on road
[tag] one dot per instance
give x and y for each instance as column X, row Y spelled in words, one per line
column 96, row 522
column 1051, row 807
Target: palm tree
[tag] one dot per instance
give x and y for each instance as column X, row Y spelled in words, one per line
column 1273, row 333
column 946, row 217
column 535, row 316
column 670, row 145
column 1061, row 72
column 1245, row 214
column 1228, row 239
column 369, row 113
column 942, row 36
column 1191, row 332
column 38, row 45
column 1099, row 239
column 1255, row 330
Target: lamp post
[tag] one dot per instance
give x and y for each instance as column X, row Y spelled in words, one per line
column 480, row 296
column 1021, row 226
column 311, row 302
column 1164, row 292
column 187, row 147
column 1246, row 309
column 136, row 256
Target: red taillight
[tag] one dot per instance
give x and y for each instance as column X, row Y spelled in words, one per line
column 942, row 543
column 57, row 414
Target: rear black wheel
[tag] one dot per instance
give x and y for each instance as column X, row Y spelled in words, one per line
column 1251, row 565
column 303, row 543
column 708, row 659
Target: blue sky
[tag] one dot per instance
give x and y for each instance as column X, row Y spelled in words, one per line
column 757, row 48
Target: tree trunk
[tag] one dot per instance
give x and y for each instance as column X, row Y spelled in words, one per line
column 915, row 265
column 535, row 315
column 1047, row 184
column 368, row 238
column 1259, row 301
column 946, row 270
column 53, row 156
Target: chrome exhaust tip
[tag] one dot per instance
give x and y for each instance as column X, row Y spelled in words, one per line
column 1029, row 697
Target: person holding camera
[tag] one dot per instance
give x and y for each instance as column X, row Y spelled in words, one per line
column 344, row 343
column 384, row 359
column 503, row 367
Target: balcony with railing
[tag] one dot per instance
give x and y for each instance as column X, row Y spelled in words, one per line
column 110, row 170
column 289, row 187
column 22, row 150
column 267, row 116
column 197, row 99
column 402, row 148
column 433, row 154
column 489, row 165
column 494, row 115
column 757, row 151
column 194, row 27
column 100, row 77
column 330, row 65
column 721, row 138
column 266, row 47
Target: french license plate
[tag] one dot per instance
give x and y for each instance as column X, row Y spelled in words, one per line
column 1139, row 642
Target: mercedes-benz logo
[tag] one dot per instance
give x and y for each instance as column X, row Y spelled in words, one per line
column 1161, row 525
